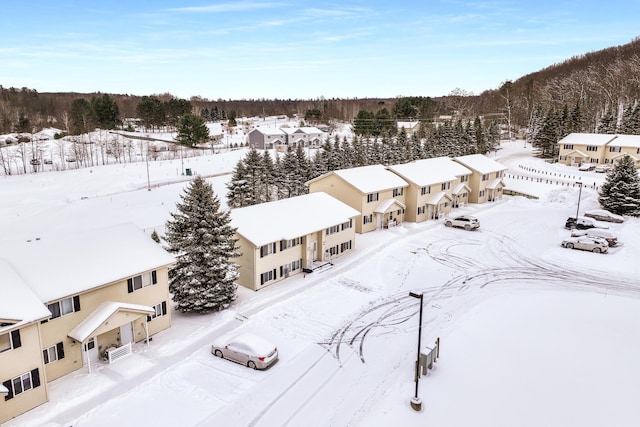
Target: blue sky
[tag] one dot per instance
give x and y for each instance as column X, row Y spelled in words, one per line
column 298, row 49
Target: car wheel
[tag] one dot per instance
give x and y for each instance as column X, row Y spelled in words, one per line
column 467, row 227
column 218, row 353
column 597, row 250
column 570, row 245
column 252, row 364
column 448, row 224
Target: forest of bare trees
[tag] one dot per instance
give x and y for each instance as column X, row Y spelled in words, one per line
column 598, row 83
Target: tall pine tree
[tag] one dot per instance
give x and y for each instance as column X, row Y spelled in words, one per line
column 200, row 236
column 620, row 192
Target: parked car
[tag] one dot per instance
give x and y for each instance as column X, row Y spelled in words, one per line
column 465, row 221
column 586, row 243
column 586, row 167
column 603, row 168
column 611, row 239
column 603, row 215
column 582, row 223
column 247, row 349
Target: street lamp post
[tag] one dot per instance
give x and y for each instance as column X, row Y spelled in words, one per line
column 579, row 196
column 416, row 402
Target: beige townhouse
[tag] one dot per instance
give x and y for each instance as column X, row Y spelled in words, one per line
column 576, row 149
column 486, row 178
column 103, row 291
column 436, row 186
column 288, row 236
column 374, row 191
column 620, row 146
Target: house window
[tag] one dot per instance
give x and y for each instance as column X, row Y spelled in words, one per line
column 366, row 219
column 22, row 383
column 592, row 148
column 615, row 149
column 425, row 190
column 485, row 177
column 53, row 353
column 10, row 340
column 333, row 250
column 64, row 307
column 268, row 249
column 141, row 281
column 333, row 229
column 420, row 210
column 464, row 178
column 345, row 246
column 398, row 192
column 160, row 310
column 445, row 186
column 373, row 197
column 269, row 275
column 289, row 267
column 499, row 174
column 481, row 193
column 568, row 146
column 286, row 244
column 348, row 224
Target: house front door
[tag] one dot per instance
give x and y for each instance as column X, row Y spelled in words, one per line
column 91, row 347
column 126, row 333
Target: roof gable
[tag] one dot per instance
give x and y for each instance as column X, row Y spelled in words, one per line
column 430, row 171
column 481, row 163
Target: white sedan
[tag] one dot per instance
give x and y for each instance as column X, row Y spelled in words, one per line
column 586, row 243
column 247, row 349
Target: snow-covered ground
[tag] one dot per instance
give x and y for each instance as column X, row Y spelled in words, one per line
column 531, row 334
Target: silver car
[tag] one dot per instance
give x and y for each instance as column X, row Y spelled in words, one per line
column 247, row 349
column 603, row 215
column 586, row 243
column 465, row 221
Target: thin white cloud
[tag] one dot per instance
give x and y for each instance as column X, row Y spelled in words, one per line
column 228, row 7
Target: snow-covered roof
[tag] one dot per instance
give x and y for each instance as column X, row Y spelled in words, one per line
column 408, row 125
column 57, row 266
column 435, row 199
column 290, row 218
column 626, row 141
column 101, row 314
column 587, row 139
column 386, row 204
column 430, row 171
column 304, row 129
column 495, row 183
column 269, row 131
column 460, row 188
column 580, row 153
column 481, row 163
column 215, row 129
column 18, row 304
column 369, row 179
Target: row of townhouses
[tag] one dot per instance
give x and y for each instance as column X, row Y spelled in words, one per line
column 72, row 301
column 289, row 236
column 598, row 148
column 266, row 138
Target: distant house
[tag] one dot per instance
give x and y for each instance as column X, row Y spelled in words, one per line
column 375, row 192
column 266, row 138
column 75, row 301
column 436, row 186
column 281, row 238
column 410, row 127
column 576, row 149
column 486, row 179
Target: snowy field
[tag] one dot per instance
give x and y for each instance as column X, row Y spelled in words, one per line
column 531, row 334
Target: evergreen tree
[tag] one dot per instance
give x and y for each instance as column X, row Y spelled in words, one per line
column 192, row 130
column 268, row 190
column 105, row 112
column 155, row 236
column 239, row 192
column 255, row 176
column 607, row 123
column 200, row 236
column 620, row 192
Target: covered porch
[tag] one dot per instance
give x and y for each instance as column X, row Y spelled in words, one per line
column 576, row 158
column 438, row 205
column 461, row 195
column 389, row 213
column 108, row 332
column 494, row 190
